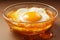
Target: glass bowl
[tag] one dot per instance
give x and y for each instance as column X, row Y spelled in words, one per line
column 28, row 28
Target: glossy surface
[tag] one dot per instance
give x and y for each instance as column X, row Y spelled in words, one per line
column 29, row 28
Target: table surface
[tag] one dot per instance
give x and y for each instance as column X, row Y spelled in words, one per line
column 5, row 33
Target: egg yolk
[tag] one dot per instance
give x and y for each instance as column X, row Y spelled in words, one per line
column 32, row 16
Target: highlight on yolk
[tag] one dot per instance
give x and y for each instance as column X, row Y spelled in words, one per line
column 32, row 16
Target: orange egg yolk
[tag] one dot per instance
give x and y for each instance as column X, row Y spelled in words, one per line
column 32, row 16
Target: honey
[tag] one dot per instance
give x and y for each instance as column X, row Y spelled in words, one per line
column 28, row 28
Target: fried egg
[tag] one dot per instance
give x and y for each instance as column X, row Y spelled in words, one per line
column 32, row 14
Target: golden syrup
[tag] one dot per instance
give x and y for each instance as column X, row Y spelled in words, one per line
column 31, row 28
